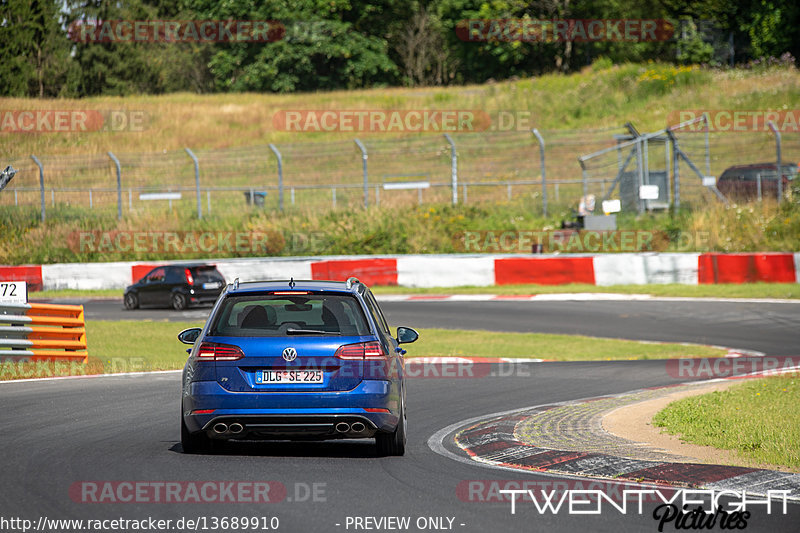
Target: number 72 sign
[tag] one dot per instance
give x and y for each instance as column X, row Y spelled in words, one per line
column 13, row 292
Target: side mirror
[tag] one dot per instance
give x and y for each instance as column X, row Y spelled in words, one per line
column 189, row 336
column 406, row 335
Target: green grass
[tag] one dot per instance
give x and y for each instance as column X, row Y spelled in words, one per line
column 565, row 107
column 391, row 229
column 471, row 343
column 596, row 97
column 77, row 294
column 745, row 290
column 759, row 419
column 136, row 346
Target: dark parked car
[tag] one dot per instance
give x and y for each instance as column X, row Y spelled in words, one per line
column 176, row 286
column 741, row 181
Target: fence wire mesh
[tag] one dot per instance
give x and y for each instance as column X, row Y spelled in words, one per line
column 491, row 167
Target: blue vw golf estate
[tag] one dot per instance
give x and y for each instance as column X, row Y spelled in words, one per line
column 294, row 360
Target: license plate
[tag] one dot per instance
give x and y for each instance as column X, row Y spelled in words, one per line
column 275, row 377
column 212, row 285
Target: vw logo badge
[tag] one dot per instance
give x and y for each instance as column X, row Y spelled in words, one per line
column 290, row 354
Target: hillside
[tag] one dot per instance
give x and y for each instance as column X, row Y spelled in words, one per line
column 598, row 97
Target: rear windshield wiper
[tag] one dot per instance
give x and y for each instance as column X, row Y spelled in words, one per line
column 310, row 332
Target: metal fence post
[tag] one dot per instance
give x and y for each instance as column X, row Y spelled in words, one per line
column 640, row 172
column 676, row 176
column 41, row 182
column 778, row 158
column 119, row 184
column 280, row 175
column 758, row 185
column 544, row 175
column 453, row 168
column 196, row 182
column 707, row 146
column 364, row 164
column 584, row 177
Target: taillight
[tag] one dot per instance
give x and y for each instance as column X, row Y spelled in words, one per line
column 212, row 351
column 189, row 278
column 373, row 350
column 361, row 351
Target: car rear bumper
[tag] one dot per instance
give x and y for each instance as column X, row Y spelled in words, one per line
column 311, row 426
column 292, row 414
column 200, row 297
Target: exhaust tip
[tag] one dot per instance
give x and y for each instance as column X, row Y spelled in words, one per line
column 220, row 428
column 342, row 427
column 358, row 427
column 236, row 428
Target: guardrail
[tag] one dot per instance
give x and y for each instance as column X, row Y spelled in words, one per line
column 43, row 331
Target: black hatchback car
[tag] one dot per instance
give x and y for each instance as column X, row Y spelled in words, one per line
column 176, row 286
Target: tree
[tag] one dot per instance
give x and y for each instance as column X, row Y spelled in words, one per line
column 120, row 68
column 327, row 45
column 34, row 50
column 423, row 52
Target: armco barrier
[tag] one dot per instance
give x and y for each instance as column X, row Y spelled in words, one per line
column 451, row 270
column 747, row 268
column 43, row 331
column 379, row 271
column 544, row 270
column 30, row 274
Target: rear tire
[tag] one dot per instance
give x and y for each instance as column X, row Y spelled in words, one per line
column 394, row 443
column 131, row 301
column 195, row 442
column 178, row 301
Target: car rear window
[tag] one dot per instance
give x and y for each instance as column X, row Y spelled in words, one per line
column 271, row 315
column 206, row 273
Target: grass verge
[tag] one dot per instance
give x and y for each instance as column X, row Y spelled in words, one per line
column 471, row 343
column 745, row 290
column 759, row 419
column 136, row 346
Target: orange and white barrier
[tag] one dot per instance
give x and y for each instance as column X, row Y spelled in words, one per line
column 42, row 332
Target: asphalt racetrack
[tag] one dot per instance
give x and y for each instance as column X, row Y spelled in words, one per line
column 65, row 438
column 772, row 328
